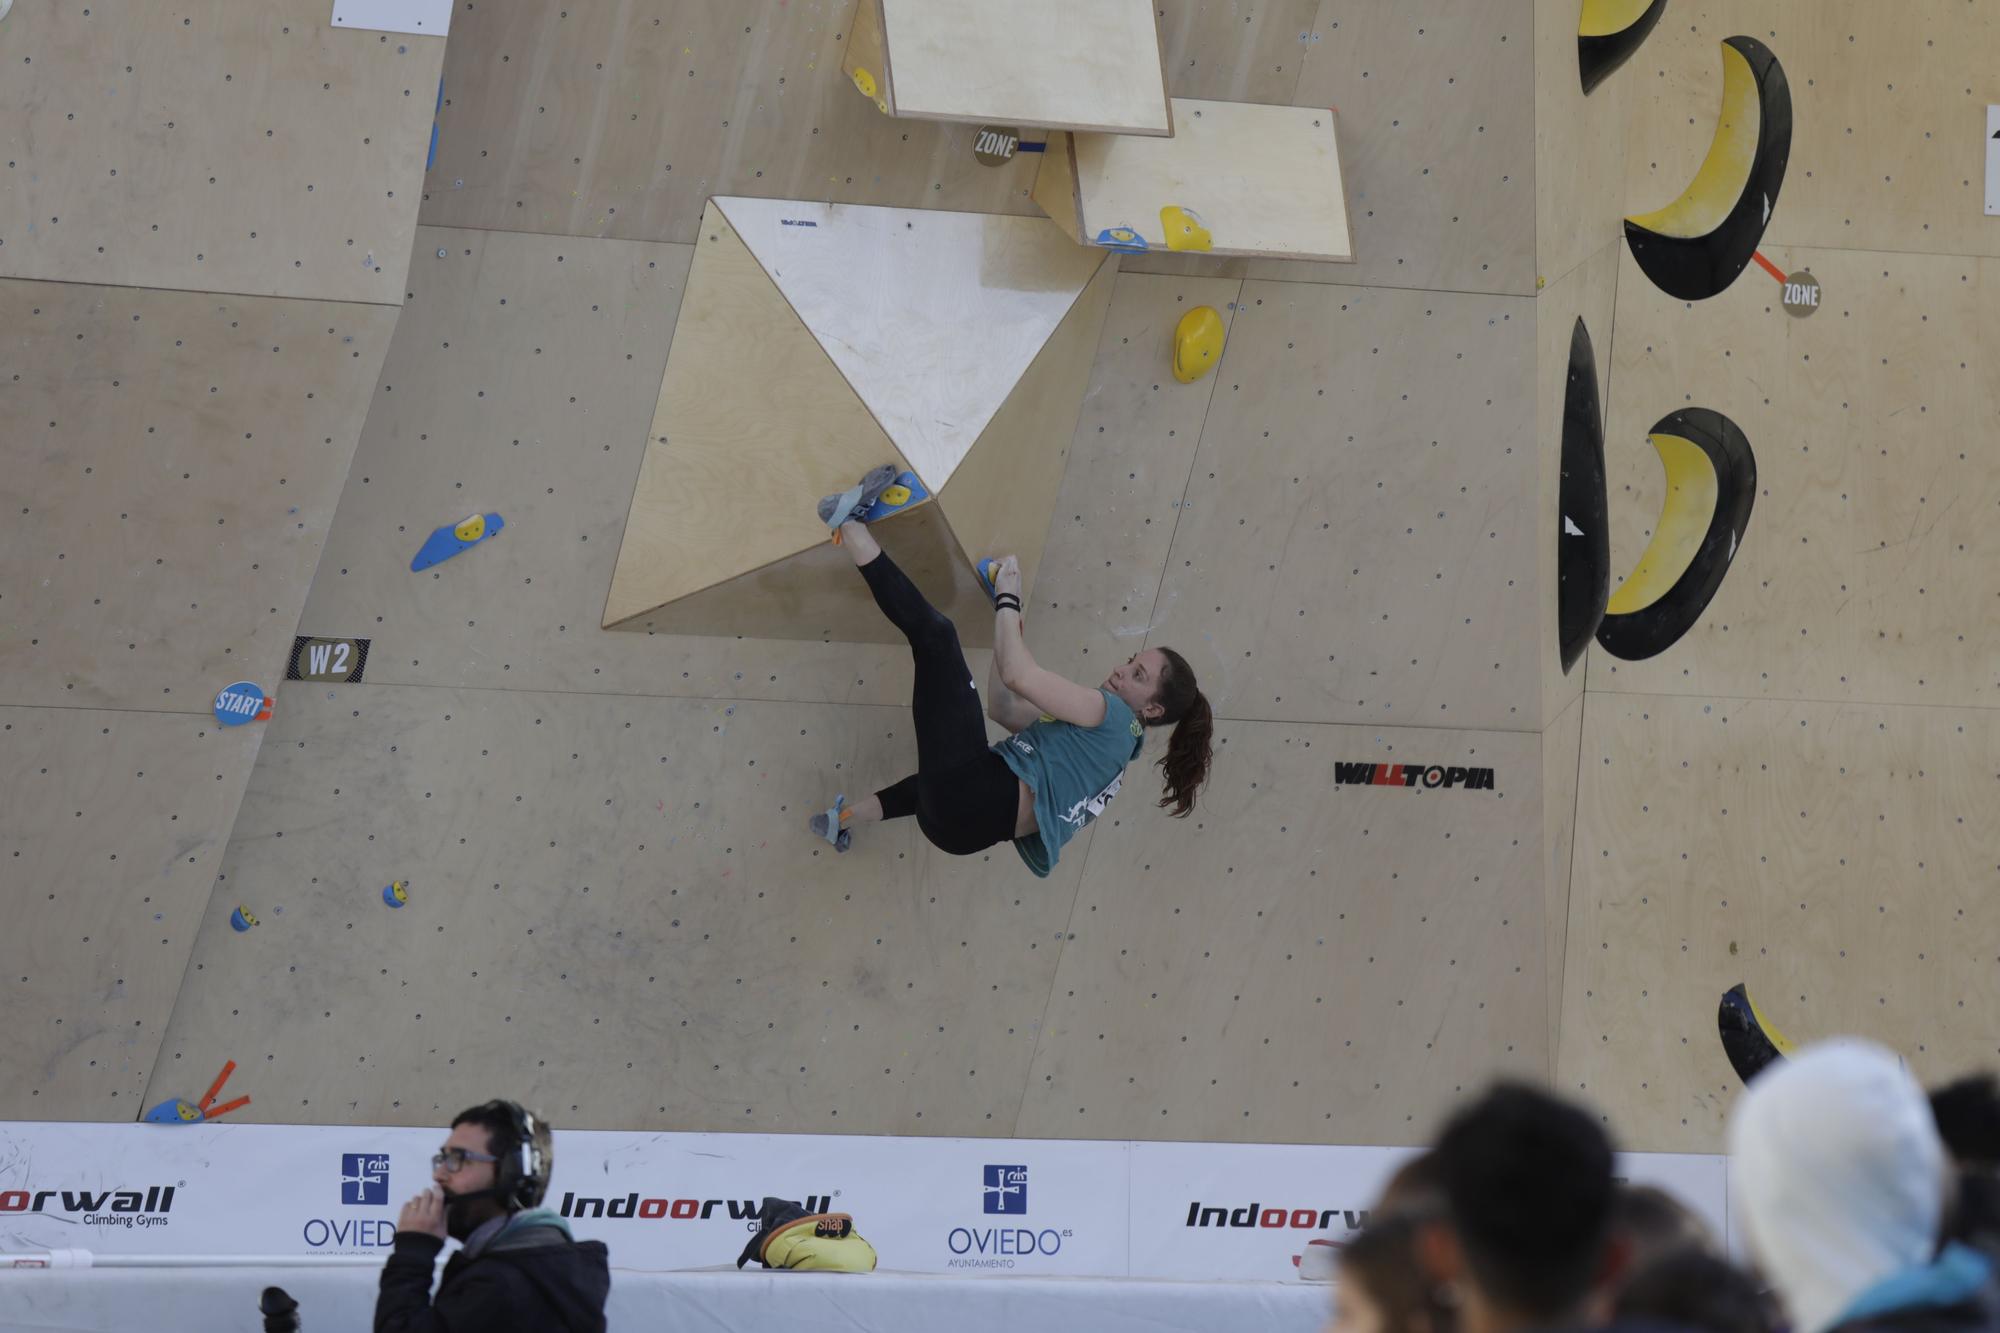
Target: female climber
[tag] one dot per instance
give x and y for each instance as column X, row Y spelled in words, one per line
column 1069, row 744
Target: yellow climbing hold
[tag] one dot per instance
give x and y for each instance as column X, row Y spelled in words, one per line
column 1197, row 344
column 898, row 494
column 1184, row 228
column 865, row 82
column 472, row 529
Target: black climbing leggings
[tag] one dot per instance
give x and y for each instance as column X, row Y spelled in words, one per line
column 964, row 796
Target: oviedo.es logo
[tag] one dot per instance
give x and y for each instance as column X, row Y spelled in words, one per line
column 97, row 1208
column 1448, row 776
column 364, row 1179
column 364, row 1183
column 1004, row 1191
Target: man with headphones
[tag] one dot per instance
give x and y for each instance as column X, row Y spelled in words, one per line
column 519, row 1267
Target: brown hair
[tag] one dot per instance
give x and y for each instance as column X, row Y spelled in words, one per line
column 1185, row 709
column 1383, row 1259
column 1653, row 1223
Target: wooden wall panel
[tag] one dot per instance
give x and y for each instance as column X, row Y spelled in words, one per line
column 252, row 149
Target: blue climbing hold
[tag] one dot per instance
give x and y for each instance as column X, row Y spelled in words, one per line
column 449, row 540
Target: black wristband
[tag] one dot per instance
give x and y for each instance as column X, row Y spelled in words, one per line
column 1007, row 601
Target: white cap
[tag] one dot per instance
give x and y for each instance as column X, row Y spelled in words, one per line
column 1839, row 1174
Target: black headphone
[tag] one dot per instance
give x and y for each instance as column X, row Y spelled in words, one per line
column 521, row 1174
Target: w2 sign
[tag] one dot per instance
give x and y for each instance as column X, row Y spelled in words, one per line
column 331, row 661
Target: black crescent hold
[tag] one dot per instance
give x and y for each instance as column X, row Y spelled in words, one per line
column 1652, row 629
column 1583, row 539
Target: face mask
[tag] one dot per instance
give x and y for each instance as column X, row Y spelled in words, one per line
column 463, row 1213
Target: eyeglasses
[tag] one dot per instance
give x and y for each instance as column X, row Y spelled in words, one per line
column 453, row 1160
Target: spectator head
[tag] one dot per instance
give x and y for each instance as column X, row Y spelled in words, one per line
column 1414, row 1188
column 1384, row 1287
column 1527, row 1181
column 1840, row 1175
column 1695, row 1288
column 1968, row 1119
column 496, row 1160
column 1649, row 1223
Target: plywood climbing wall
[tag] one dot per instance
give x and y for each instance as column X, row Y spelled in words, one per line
column 1833, row 857
column 1779, row 799
column 179, row 460
column 1357, row 526
column 1436, row 103
column 1303, row 960
column 203, row 239
column 615, row 900
column 253, row 149
column 1888, row 127
column 1869, row 573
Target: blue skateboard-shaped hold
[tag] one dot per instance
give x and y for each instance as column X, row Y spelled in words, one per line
column 449, row 540
column 1125, row 240
column 906, row 492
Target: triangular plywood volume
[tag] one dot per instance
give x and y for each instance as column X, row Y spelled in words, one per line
column 816, row 341
column 746, row 388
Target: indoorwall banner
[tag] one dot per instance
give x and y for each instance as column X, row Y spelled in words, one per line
column 1188, row 1211
column 1250, row 1209
column 1247, row 1208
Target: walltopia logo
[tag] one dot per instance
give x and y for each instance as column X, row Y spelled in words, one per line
column 100, row 1208
column 634, row 1208
column 1413, row 775
column 1200, row 1214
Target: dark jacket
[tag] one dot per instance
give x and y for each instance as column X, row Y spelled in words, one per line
column 1975, row 1218
column 1956, row 1294
column 531, row 1276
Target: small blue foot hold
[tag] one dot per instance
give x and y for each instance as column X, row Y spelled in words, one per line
column 240, row 920
column 449, row 540
column 397, row 893
column 906, row 492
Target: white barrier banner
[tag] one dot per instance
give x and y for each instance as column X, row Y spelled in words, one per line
column 1247, row 1208
column 670, row 1201
column 1251, row 1209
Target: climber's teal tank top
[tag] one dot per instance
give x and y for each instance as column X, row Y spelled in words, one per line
column 1074, row 772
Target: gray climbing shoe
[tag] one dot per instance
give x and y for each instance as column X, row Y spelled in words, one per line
column 835, row 510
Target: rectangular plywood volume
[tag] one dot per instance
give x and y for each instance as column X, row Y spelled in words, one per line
column 1236, row 179
column 1058, row 64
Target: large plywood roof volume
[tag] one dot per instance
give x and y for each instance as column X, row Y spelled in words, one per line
column 932, row 317
column 1079, row 64
column 1265, row 181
